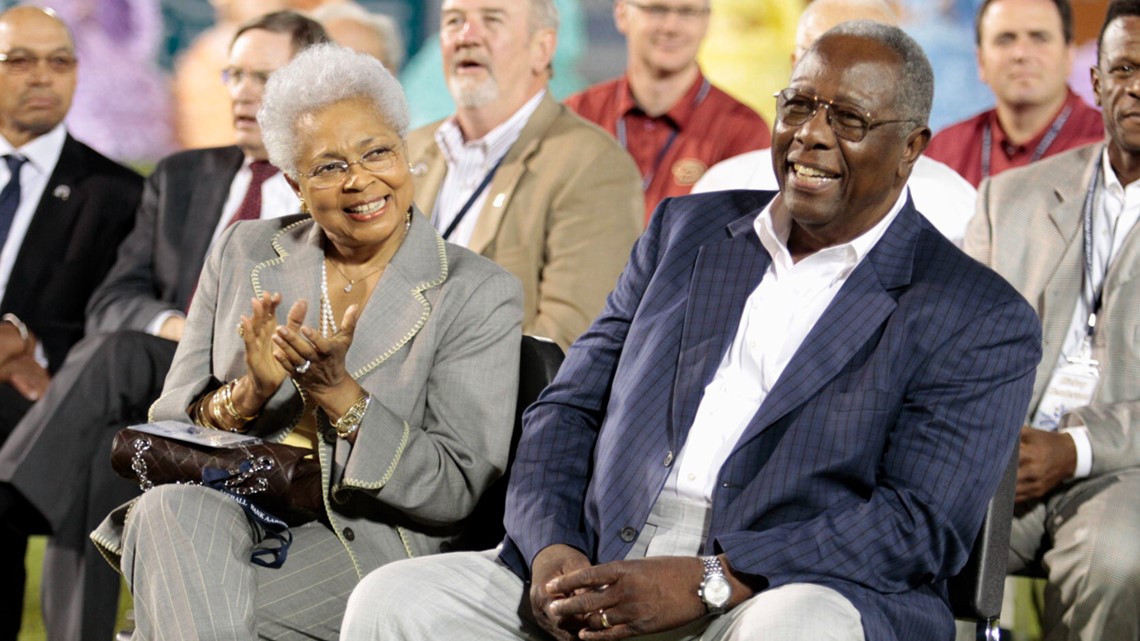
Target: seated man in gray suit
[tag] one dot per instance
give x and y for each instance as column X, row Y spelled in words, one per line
column 519, row 178
column 1063, row 232
column 135, row 320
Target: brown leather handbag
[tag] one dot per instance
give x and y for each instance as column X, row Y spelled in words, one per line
column 282, row 479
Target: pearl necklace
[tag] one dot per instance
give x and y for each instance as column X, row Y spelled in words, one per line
column 328, row 322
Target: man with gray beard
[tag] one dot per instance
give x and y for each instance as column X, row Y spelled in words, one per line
column 519, row 178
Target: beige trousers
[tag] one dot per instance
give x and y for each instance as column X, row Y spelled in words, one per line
column 1087, row 538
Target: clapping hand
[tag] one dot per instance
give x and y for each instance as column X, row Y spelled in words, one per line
column 316, row 362
column 265, row 373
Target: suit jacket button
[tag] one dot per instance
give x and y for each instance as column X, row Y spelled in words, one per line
column 668, row 458
column 349, row 535
column 628, row 534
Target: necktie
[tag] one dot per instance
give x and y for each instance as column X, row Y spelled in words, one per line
column 10, row 196
column 250, row 208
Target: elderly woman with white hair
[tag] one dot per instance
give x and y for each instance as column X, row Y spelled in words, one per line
column 396, row 362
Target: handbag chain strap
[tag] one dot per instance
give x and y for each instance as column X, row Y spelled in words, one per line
column 239, row 475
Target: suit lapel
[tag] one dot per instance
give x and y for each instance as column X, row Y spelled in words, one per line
column 57, row 210
column 397, row 307
column 1057, row 259
column 860, row 308
column 724, row 275
column 502, row 187
column 207, row 198
column 428, row 170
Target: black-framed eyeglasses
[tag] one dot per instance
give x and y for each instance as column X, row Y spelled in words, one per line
column 233, row 76
column 661, row 11
column 20, row 63
column 333, row 172
column 849, row 122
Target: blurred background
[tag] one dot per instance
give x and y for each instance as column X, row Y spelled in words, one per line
column 149, row 79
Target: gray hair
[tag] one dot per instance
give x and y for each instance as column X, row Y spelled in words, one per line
column 543, row 15
column 914, row 91
column 384, row 26
column 320, row 76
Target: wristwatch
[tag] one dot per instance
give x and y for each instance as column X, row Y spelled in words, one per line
column 715, row 590
column 347, row 424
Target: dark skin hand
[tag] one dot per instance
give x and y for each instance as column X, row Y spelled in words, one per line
column 1046, row 460
column 639, row 597
column 26, row 376
column 18, row 366
column 549, row 564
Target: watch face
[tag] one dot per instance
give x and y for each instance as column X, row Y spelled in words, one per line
column 716, row 591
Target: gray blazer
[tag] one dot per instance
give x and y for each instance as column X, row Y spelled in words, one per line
column 1028, row 229
column 437, row 345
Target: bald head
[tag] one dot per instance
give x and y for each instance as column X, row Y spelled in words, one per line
column 38, row 76
column 25, row 14
column 821, row 15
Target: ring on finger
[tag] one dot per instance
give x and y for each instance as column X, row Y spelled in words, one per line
column 241, row 330
column 606, row 625
column 303, row 367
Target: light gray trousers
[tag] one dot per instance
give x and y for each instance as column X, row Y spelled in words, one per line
column 1090, row 534
column 186, row 553
column 472, row 595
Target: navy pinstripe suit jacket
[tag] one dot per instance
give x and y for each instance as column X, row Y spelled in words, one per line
column 868, row 466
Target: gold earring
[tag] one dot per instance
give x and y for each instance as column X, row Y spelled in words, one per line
column 304, row 205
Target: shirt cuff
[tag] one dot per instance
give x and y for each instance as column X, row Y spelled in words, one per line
column 155, row 325
column 1080, row 436
column 40, row 355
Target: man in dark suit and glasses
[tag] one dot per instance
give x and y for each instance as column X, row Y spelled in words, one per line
column 785, row 425
column 64, row 209
column 135, row 320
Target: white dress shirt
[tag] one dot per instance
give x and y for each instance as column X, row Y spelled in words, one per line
column 468, row 163
column 778, row 315
column 939, row 193
column 42, row 153
column 1115, row 213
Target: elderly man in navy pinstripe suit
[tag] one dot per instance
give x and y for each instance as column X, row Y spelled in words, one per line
column 786, row 423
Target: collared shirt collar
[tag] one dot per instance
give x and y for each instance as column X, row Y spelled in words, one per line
column 773, row 232
column 1001, row 140
column 679, row 114
column 1112, row 182
column 496, row 143
column 42, row 152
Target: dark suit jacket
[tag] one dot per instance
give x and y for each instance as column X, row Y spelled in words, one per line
column 70, row 245
column 867, row 468
column 159, row 263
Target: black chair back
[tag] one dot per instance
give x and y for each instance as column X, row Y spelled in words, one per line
column 539, row 359
column 976, row 593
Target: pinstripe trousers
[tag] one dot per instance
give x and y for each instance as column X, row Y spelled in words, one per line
column 186, row 553
column 1086, row 536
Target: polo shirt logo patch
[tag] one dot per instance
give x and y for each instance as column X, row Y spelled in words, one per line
column 687, row 171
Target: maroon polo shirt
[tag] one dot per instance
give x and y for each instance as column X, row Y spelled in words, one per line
column 960, row 145
column 674, row 149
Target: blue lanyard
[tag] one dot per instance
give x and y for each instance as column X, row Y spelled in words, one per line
column 622, row 137
column 471, row 201
column 1038, row 153
column 1087, row 224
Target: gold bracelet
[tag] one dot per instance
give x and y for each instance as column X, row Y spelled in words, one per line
column 222, row 402
column 228, row 401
